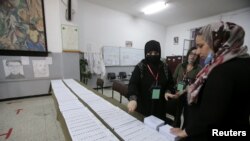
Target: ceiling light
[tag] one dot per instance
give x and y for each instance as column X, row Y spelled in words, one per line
column 153, row 8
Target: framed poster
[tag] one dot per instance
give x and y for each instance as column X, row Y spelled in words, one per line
column 176, row 40
column 22, row 28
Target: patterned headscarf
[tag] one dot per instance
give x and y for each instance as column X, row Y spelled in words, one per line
column 226, row 40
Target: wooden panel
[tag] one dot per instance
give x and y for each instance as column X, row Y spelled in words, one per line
column 173, row 61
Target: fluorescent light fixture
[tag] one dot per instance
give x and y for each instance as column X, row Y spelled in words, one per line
column 156, row 7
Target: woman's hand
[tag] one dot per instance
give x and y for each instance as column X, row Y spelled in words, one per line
column 178, row 132
column 173, row 96
column 132, row 105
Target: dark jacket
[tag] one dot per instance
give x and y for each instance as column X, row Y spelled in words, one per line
column 140, row 86
column 223, row 101
column 181, row 69
column 181, row 102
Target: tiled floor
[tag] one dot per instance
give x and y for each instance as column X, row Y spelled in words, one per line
column 34, row 119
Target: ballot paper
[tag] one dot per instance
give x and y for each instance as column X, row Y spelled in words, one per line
column 75, row 86
column 61, row 92
column 153, row 122
column 69, row 105
column 119, row 121
column 83, row 125
column 56, row 83
column 165, row 131
column 137, row 131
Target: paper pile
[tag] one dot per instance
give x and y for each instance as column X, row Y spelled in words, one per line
column 153, row 122
column 165, row 131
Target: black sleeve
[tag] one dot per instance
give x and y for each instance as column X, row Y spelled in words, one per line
column 170, row 84
column 214, row 101
column 134, row 84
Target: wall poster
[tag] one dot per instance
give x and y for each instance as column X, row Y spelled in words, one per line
column 22, row 28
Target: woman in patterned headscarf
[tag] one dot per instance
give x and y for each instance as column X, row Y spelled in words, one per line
column 219, row 96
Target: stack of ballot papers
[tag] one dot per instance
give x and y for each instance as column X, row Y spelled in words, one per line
column 84, row 126
column 81, row 123
column 127, row 127
column 137, row 131
column 153, row 122
column 165, row 131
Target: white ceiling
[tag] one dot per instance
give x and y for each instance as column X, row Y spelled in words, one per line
column 178, row 11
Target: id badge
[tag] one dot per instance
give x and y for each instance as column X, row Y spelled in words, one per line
column 156, row 93
column 180, row 86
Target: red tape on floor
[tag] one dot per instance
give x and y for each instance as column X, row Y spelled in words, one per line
column 18, row 111
column 7, row 134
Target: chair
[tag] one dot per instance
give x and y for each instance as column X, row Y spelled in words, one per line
column 111, row 76
column 121, row 88
column 122, row 75
column 124, row 91
column 99, row 84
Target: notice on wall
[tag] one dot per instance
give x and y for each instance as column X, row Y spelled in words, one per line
column 70, row 38
column 25, row 60
column 41, row 68
column 48, row 60
column 13, row 69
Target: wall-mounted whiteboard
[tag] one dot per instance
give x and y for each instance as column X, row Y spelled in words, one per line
column 130, row 56
column 111, row 56
column 122, row 56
